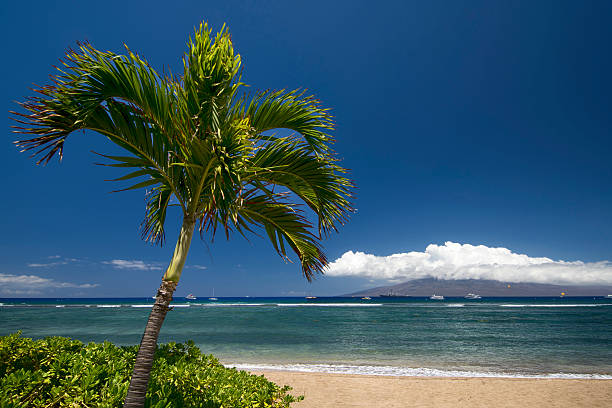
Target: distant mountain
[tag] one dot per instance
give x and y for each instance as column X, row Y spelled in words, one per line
column 430, row 286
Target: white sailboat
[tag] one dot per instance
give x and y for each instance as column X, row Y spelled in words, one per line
column 213, row 296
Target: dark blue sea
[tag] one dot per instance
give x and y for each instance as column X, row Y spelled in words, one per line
column 566, row 337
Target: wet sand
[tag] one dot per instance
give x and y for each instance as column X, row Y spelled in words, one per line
column 344, row 390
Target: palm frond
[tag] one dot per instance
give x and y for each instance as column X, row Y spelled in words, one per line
column 318, row 182
column 93, row 76
column 283, row 224
column 295, row 111
column 211, row 76
column 152, row 227
column 118, row 96
column 88, row 79
column 51, row 119
column 151, row 149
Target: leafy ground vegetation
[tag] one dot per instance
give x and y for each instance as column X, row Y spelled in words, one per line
column 60, row 372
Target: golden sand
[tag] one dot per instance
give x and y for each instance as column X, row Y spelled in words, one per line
column 344, row 390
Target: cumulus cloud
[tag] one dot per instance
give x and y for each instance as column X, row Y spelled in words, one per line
column 12, row 285
column 133, row 264
column 455, row 261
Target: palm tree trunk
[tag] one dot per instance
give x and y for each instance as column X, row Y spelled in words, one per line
column 144, row 359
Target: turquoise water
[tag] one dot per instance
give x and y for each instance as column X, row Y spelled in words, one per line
column 569, row 337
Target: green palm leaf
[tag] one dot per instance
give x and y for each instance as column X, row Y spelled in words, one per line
column 318, row 182
column 283, row 223
column 292, row 110
column 152, row 227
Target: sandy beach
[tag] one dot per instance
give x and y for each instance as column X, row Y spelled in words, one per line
column 343, row 390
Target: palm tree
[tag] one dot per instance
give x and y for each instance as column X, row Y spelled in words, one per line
column 195, row 141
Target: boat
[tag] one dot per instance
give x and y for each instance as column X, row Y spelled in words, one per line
column 391, row 295
column 436, row 297
column 366, row 298
column 190, row 297
column 311, row 297
column 609, row 297
column 472, row 296
column 213, row 298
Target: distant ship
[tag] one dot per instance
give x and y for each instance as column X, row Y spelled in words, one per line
column 436, row 297
column 609, row 296
column 472, row 296
column 366, row 298
column 311, row 297
column 213, row 296
column 391, row 294
column 190, row 297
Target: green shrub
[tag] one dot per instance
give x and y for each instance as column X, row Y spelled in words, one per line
column 60, row 372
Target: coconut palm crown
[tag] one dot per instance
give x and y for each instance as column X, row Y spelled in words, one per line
column 199, row 142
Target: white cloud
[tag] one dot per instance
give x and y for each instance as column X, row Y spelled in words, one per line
column 46, row 265
column 464, row 261
column 59, row 261
column 133, row 264
column 34, row 285
column 142, row 265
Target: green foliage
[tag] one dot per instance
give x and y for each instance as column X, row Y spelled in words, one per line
column 60, row 372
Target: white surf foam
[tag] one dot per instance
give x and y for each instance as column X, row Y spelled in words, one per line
column 108, row 305
column 406, row 371
column 557, row 305
column 234, row 304
column 328, row 304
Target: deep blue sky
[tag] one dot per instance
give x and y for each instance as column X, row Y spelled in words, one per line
column 473, row 122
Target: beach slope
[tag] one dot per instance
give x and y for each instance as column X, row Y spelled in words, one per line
column 323, row 390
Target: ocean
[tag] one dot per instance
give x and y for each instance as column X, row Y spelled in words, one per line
column 490, row 337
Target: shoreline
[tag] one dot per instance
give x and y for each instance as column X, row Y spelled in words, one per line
column 355, row 390
column 396, row 371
